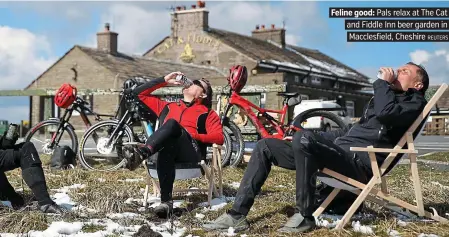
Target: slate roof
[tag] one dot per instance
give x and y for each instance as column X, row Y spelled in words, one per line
column 290, row 56
column 127, row 66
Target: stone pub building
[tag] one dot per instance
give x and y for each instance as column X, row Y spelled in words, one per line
column 199, row 50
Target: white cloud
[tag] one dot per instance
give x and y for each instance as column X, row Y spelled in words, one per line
column 420, row 56
column 436, row 63
column 141, row 26
column 292, row 39
column 138, row 28
column 23, row 56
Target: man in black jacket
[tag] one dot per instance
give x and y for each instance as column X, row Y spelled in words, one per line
column 396, row 104
column 25, row 156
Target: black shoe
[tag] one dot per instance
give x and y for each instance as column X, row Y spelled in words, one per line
column 53, row 208
column 133, row 157
column 164, row 210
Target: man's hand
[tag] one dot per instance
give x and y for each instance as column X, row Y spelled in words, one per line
column 388, row 74
column 171, row 78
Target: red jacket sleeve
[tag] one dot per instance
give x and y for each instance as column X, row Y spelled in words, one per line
column 143, row 93
column 214, row 130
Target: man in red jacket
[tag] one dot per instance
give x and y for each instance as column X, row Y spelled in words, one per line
column 187, row 127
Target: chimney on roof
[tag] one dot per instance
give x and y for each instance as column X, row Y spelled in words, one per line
column 107, row 40
column 273, row 34
column 188, row 21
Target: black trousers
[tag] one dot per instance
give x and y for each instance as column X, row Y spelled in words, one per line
column 172, row 144
column 307, row 153
column 23, row 156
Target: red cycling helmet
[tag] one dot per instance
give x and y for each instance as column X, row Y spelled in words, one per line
column 65, row 95
column 238, row 77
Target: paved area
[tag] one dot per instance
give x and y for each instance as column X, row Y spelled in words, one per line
column 425, row 144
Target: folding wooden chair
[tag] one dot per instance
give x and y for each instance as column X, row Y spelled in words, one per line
column 190, row 171
column 382, row 196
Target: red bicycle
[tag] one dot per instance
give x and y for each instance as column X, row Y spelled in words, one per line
column 266, row 125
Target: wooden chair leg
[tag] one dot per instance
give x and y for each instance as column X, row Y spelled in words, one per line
column 220, row 172
column 156, row 188
column 417, row 185
column 357, row 203
column 326, row 202
column 383, row 186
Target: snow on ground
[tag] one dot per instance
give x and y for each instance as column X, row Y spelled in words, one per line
column 131, row 180
column 216, row 203
column 235, row 184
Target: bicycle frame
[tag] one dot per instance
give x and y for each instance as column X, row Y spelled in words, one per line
column 126, row 120
column 247, row 106
column 80, row 106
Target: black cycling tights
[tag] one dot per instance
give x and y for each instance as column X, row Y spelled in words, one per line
column 173, row 144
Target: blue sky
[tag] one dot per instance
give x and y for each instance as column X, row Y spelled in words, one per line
column 60, row 25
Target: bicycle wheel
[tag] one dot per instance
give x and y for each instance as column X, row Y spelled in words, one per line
column 235, row 154
column 300, row 118
column 96, row 155
column 42, row 134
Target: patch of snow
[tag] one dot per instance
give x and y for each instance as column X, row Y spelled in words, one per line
column 427, row 235
column 235, row 184
column 62, row 199
column 82, row 208
column 333, row 69
column 244, row 235
column 199, row 216
column 101, row 180
column 231, row 232
column 393, row 233
column 280, row 186
column 402, row 223
column 141, row 209
column 128, row 215
column 191, row 193
column 66, row 189
column 164, row 229
column 58, row 228
column 131, row 180
column 361, row 228
column 216, row 203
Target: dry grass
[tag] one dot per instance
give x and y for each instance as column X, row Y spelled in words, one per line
column 438, row 156
column 271, row 208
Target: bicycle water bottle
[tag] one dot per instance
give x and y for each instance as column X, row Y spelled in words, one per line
column 380, row 75
column 186, row 82
column 11, row 131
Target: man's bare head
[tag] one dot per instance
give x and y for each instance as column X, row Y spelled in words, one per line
column 412, row 76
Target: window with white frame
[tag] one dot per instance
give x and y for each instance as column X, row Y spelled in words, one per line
column 350, row 108
column 316, row 81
